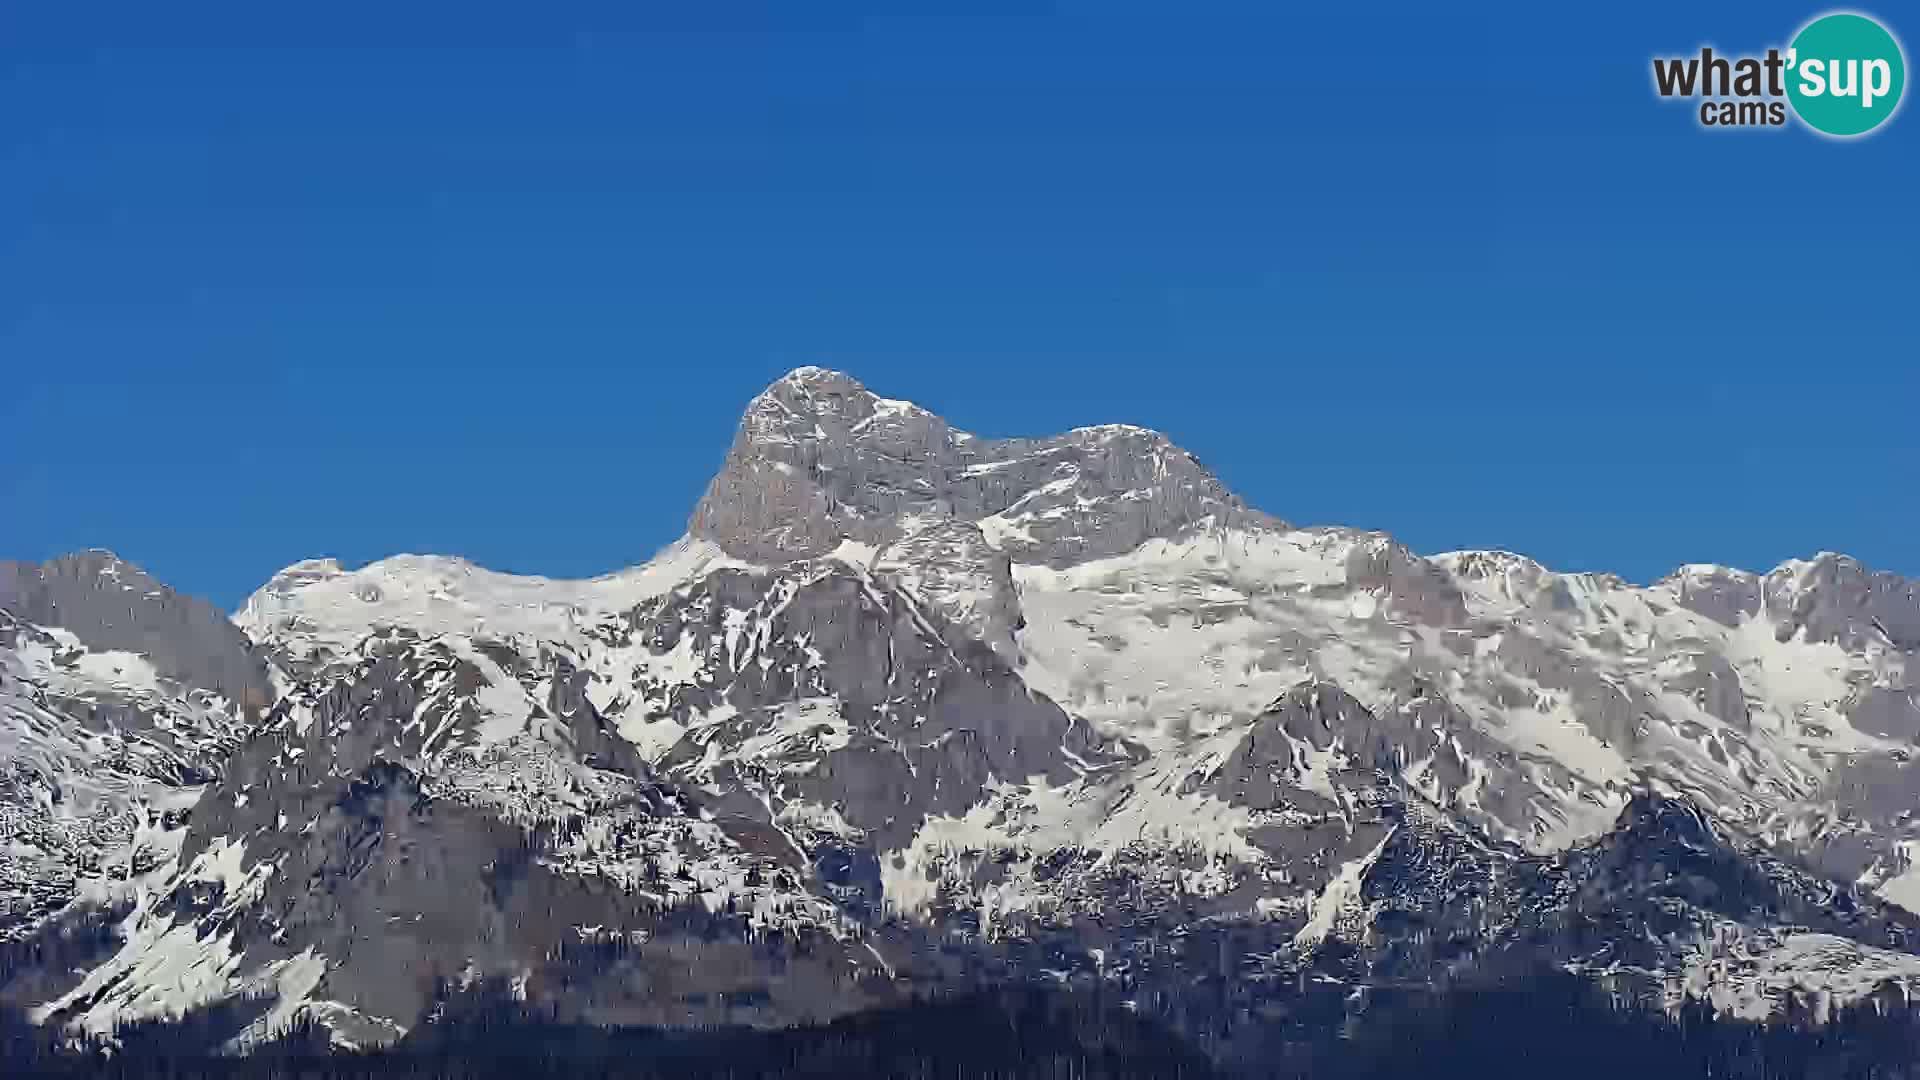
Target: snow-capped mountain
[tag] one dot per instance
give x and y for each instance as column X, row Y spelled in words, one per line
column 910, row 706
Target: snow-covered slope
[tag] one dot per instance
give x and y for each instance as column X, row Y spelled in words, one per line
column 951, row 707
column 120, row 702
column 315, row 609
column 1573, row 689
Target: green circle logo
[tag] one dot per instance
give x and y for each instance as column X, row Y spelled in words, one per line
column 1845, row 73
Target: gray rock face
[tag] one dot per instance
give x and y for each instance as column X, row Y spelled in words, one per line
column 819, row 459
column 111, row 604
column 1710, row 681
column 838, row 691
column 1887, row 712
column 952, row 570
column 1834, row 598
column 1268, row 770
column 1512, row 576
column 1428, row 741
column 1616, row 715
column 400, row 817
column 1724, row 595
column 1416, row 589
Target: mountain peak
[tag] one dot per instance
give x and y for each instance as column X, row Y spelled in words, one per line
column 804, row 384
column 1834, row 597
column 1125, row 430
column 109, row 604
column 808, row 375
column 819, row 459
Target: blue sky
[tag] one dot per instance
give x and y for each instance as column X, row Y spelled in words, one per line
column 356, row 280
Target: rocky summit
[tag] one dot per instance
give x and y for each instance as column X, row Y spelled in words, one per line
column 910, row 709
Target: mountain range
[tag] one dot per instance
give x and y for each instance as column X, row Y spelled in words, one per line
column 909, row 709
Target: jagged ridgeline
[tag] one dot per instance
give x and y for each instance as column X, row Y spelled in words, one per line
column 916, row 720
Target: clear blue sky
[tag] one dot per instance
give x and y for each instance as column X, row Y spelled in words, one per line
column 497, row 281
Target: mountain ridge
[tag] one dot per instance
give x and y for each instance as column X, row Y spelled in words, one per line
column 802, row 382
column 908, row 706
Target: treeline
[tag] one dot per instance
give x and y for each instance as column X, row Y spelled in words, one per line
column 1019, row 1035
column 1552, row 1026
column 1560, row 1026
